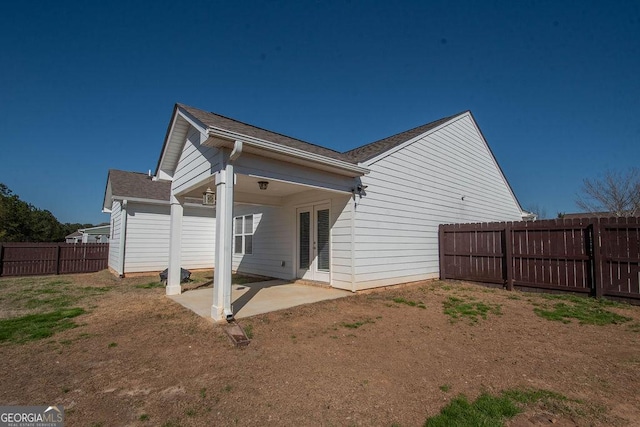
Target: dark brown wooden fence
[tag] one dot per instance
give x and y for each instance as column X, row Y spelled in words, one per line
column 25, row 259
column 595, row 256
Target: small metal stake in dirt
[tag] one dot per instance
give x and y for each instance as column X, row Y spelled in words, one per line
column 236, row 334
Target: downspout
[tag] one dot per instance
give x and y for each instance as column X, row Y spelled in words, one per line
column 353, row 244
column 237, row 151
column 123, row 237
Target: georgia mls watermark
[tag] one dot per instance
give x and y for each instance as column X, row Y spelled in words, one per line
column 31, row 416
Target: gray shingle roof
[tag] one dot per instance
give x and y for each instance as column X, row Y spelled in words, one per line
column 218, row 121
column 137, row 185
column 355, row 156
column 371, row 150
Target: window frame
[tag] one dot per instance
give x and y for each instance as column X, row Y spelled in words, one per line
column 243, row 234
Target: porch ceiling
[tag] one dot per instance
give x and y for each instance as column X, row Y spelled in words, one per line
column 247, row 190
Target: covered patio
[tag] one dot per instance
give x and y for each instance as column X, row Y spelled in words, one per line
column 279, row 202
column 259, row 297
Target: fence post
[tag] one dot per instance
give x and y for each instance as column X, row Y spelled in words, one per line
column 1, row 258
column 441, row 250
column 507, row 253
column 596, row 244
column 58, row 248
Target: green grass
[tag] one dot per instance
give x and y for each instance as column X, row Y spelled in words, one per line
column 248, row 331
column 150, row 285
column 588, row 311
column 400, row 300
column 356, row 325
column 47, row 294
column 458, row 308
column 50, row 305
column 445, row 387
column 492, row 411
column 37, row 326
column 485, row 411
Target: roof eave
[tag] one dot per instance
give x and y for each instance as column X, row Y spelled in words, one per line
column 142, row 200
column 106, row 200
column 219, row 138
column 166, row 138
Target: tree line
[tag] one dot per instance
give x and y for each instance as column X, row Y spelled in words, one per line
column 22, row 222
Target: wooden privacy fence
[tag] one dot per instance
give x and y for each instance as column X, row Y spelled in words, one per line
column 24, row 259
column 595, row 256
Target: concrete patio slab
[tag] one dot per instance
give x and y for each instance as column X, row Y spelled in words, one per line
column 260, row 297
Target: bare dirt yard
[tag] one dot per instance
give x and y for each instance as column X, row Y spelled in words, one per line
column 130, row 356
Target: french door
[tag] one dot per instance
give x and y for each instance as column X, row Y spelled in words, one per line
column 312, row 241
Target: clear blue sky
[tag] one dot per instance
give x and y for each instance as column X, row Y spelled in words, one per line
column 87, row 86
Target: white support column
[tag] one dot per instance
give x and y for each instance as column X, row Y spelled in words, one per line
column 221, row 307
column 175, row 247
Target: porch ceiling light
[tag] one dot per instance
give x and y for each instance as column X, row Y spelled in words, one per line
column 209, row 197
column 263, row 184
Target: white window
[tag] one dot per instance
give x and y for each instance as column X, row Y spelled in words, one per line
column 243, row 235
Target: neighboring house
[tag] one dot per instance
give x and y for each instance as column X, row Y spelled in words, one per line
column 140, row 222
column 285, row 208
column 75, row 237
column 99, row 234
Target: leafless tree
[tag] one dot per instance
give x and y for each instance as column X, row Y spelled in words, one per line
column 617, row 193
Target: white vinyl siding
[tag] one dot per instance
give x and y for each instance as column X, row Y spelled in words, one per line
column 447, row 176
column 272, row 244
column 198, row 237
column 341, row 242
column 174, row 147
column 114, row 241
column 147, row 246
column 147, row 238
column 274, row 238
column 195, row 162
